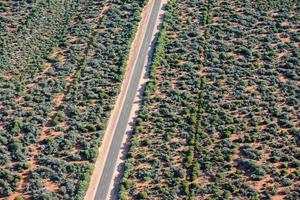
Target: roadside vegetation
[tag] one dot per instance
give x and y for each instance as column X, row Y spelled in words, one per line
column 62, row 63
column 220, row 115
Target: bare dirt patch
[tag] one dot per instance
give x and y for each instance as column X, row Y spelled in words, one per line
column 50, row 185
column 235, row 55
column 283, row 79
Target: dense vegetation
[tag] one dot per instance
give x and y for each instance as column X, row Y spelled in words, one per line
column 220, row 117
column 61, row 65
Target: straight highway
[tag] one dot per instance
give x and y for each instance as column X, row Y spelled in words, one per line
column 119, row 132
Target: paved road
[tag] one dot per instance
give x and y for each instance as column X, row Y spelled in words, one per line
column 107, row 174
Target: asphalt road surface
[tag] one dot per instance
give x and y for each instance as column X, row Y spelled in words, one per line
column 107, row 174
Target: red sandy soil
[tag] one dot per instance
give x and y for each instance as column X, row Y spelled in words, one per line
column 50, row 185
column 251, row 88
column 283, row 79
column 282, row 54
column 286, row 40
column 234, row 55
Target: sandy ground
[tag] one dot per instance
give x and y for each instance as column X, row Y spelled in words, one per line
column 107, row 139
